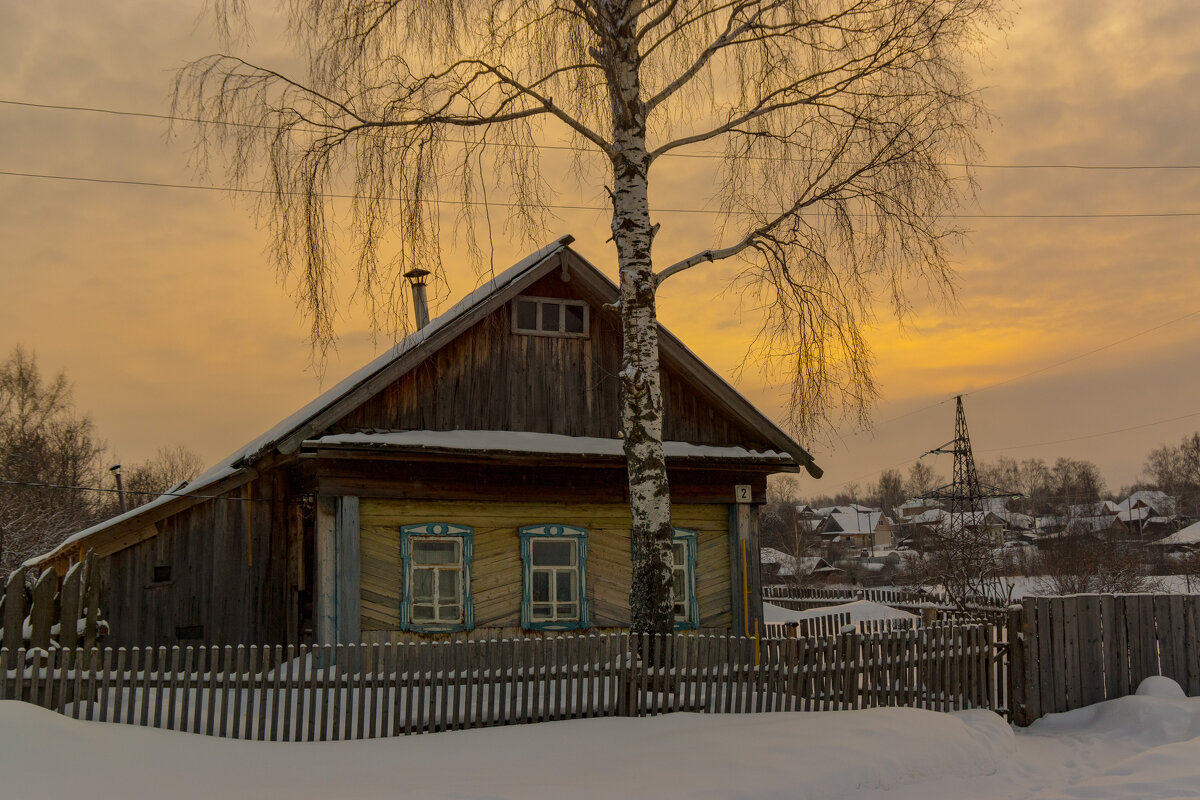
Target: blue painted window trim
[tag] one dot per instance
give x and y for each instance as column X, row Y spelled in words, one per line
column 436, row 530
column 548, row 531
column 689, row 537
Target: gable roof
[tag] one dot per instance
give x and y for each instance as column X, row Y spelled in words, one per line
column 313, row 419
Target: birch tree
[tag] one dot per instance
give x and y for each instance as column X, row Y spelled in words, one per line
column 842, row 126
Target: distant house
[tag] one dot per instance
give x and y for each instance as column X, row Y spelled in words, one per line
column 780, row 568
column 1149, row 514
column 1185, row 540
column 469, row 482
column 926, row 531
column 1160, row 503
column 915, row 507
column 854, row 526
column 1098, row 518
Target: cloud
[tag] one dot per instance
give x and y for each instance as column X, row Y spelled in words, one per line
column 162, row 307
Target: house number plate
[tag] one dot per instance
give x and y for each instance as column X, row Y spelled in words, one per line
column 741, row 493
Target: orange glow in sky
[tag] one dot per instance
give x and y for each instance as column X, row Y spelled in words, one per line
column 164, row 311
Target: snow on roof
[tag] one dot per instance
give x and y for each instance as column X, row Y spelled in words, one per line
column 526, row 442
column 857, row 521
column 769, row 555
column 326, row 399
column 788, row 564
column 229, row 465
column 1135, row 514
column 1186, row 536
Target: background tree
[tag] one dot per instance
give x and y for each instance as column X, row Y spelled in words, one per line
column 1083, row 564
column 837, row 120
column 1176, row 471
column 145, row 481
column 43, row 442
column 1075, row 482
column 889, row 492
column 921, row 480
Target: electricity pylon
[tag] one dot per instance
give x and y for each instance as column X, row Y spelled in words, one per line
column 967, row 564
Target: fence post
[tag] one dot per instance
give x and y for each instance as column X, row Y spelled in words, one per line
column 91, row 600
column 14, row 609
column 626, row 681
column 1016, row 655
column 41, row 612
column 68, row 617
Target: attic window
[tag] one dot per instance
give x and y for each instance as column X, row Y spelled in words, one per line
column 550, row 316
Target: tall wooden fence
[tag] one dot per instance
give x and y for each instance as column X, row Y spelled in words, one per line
column 1069, row 652
column 367, row 691
column 62, row 613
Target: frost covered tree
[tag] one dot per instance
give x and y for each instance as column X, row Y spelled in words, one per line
column 46, row 447
column 148, row 479
column 843, row 127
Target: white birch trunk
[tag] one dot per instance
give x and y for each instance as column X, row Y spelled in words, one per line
column 642, row 407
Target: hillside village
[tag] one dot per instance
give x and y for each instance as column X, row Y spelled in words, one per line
column 873, row 546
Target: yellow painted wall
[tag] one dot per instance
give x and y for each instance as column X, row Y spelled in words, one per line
column 496, row 566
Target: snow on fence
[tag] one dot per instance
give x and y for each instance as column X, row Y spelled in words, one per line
column 57, row 614
column 367, row 691
column 979, row 610
column 1069, row 652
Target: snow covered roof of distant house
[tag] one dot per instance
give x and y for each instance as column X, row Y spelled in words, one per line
column 920, row 502
column 1161, row 502
column 1016, row 520
column 1186, row 536
column 1097, row 509
column 788, row 564
column 1102, row 522
column 856, row 521
column 1139, row 514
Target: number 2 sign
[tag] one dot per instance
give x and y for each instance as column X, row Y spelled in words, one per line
column 741, row 493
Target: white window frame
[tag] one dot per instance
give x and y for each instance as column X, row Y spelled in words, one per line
column 563, row 301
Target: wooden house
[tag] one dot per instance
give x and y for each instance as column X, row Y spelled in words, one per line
column 470, row 482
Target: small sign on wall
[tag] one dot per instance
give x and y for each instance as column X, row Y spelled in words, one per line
column 741, row 493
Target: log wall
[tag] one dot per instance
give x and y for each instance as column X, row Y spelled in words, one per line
column 492, row 379
column 213, row 574
column 496, row 566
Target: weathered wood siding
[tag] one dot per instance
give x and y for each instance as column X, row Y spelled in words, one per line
column 492, row 379
column 496, row 566
column 227, row 583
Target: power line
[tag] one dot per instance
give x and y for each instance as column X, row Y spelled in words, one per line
column 1037, row 371
column 1084, row 354
column 703, row 155
column 557, row 206
column 1092, row 435
column 132, row 491
column 1025, row 446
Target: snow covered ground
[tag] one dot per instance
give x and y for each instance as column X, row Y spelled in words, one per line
column 1146, row 746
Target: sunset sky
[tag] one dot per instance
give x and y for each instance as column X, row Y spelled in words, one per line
column 161, row 306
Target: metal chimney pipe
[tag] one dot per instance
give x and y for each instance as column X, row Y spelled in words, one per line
column 420, row 304
column 115, row 469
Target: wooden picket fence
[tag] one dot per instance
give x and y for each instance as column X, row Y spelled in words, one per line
column 1069, row 652
column 979, row 611
column 367, row 691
